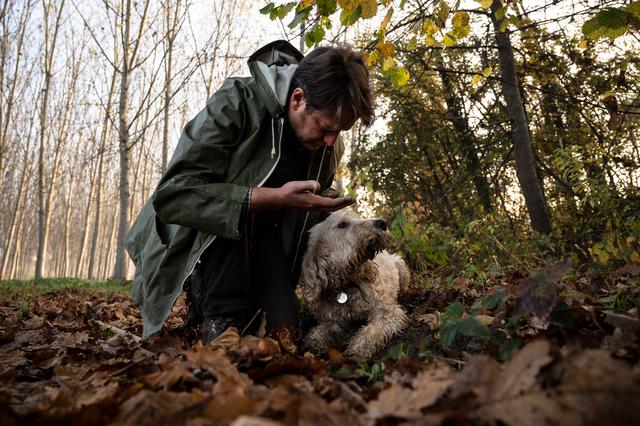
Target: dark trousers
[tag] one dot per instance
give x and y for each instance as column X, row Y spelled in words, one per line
column 246, row 275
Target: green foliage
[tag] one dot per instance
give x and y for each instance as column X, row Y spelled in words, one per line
column 396, row 352
column 424, row 246
column 491, row 301
column 454, row 323
column 373, row 373
column 24, row 288
column 613, row 22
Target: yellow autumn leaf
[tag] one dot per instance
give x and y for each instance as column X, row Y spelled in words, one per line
column 486, row 72
column 431, row 41
column 374, row 57
column 369, row 8
column 630, row 239
column 607, row 95
column 347, row 5
column 386, row 49
column 583, row 43
column 460, row 20
column 486, row 4
column 400, row 77
column 388, row 64
column 412, row 43
column 449, row 39
column 635, row 257
column 430, row 27
column 385, row 21
column 476, row 79
column 305, row 4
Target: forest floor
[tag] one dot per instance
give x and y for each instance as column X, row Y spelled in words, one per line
column 552, row 346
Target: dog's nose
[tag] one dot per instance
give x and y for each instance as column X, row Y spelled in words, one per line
column 380, row 224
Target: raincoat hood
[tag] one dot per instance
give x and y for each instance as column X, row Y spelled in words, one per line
column 272, row 67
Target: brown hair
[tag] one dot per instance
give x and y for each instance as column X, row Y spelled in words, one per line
column 334, row 78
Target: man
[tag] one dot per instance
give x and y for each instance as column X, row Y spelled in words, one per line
column 229, row 217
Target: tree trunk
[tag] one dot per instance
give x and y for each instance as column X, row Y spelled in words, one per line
column 120, row 269
column 49, row 51
column 525, row 162
column 467, row 140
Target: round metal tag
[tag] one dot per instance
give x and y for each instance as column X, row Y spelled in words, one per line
column 342, row 297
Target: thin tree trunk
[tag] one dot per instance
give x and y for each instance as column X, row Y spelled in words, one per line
column 466, row 138
column 525, row 162
column 49, row 51
column 87, row 214
column 120, row 270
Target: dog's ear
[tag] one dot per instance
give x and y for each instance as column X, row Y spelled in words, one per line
column 314, row 271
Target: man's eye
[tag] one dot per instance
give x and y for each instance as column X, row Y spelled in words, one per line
column 343, row 224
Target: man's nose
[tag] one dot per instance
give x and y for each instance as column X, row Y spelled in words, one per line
column 330, row 139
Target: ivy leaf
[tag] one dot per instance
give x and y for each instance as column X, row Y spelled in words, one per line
column 486, row 73
column 500, row 12
column 369, row 8
column 326, row 7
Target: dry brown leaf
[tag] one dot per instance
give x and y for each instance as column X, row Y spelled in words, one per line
column 70, row 340
column 254, row 421
column 227, row 339
column 153, row 408
column 400, row 400
column 33, row 323
column 586, row 388
column 167, row 379
column 267, row 348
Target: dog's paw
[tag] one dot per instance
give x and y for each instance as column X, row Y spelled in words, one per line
column 360, row 350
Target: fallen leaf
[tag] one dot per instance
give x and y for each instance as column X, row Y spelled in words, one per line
column 400, row 400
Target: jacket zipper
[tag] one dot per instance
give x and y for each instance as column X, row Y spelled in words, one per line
column 273, row 147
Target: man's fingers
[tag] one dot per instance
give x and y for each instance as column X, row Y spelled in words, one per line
column 304, row 185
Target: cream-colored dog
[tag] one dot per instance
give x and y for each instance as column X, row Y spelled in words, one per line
column 348, row 279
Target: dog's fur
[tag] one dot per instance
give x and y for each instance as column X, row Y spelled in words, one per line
column 345, row 254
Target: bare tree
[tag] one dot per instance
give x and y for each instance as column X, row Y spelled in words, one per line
column 50, row 41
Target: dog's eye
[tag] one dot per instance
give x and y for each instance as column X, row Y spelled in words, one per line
column 343, row 225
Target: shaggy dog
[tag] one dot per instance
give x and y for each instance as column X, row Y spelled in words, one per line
column 348, row 279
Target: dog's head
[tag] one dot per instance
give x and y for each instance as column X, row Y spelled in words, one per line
column 337, row 248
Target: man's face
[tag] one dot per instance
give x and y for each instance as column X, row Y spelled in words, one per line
column 316, row 129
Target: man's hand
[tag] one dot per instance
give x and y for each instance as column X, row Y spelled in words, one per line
column 296, row 195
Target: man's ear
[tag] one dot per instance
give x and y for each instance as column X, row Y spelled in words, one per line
column 297, row 99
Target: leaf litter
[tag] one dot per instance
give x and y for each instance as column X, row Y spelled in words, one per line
column 75, row 358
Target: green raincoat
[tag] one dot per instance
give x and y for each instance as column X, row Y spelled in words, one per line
column 233, row 144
